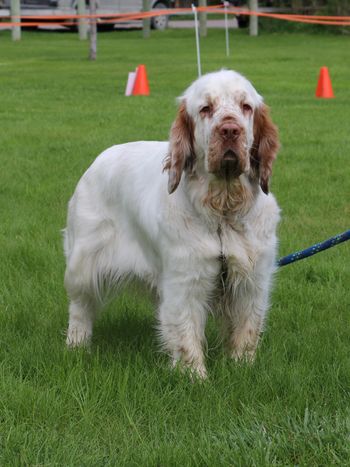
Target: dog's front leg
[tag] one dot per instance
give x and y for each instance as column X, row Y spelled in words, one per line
column 245, row 308
column 183, row 311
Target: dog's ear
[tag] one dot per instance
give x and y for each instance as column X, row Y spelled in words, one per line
column 181, row 151
column 265, row 146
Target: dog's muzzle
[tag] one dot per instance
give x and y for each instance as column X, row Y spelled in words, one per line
column 230, row 164
column 226, row 157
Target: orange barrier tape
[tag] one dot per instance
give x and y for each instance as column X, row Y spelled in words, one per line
column 61, row 20
column 334, row 18
column 296, row 18
column 140, row 14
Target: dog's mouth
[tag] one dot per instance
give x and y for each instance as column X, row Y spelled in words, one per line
column 230, row 155
column 230, row 166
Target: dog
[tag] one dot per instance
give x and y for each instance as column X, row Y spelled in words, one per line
column 193, row 217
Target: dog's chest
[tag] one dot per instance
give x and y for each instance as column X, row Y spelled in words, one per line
column 240, row 249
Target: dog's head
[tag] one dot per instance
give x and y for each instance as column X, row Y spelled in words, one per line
column 224, row 128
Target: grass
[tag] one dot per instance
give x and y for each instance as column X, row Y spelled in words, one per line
column 119, row 404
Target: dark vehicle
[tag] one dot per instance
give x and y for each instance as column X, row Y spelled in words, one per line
column 57, row 7
column 266, row 6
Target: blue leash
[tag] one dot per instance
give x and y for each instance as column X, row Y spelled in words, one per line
column 312, row 250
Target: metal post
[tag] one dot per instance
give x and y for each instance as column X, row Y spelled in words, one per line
column 253, row 20
column 226, row 4
column 194, row 9
column 15, row 18
column 146, row 21
column 202, row 19
column 93, row 31
column 82, row 22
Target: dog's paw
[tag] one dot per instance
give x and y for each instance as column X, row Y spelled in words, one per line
column 196, row 372
column 78, row 338
column 243, row 355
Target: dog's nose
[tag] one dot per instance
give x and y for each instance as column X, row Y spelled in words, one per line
column 230, row 130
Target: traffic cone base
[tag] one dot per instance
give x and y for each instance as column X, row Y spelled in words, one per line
column 324, row 85
column 141, row 86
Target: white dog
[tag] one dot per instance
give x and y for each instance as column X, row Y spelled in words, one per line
column 192, row 217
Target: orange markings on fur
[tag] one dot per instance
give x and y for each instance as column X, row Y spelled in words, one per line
column 266, row 145
column 228, row 198
column 181, row 152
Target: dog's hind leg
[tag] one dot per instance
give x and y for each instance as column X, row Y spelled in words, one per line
column 84, row 301
column 82, row 313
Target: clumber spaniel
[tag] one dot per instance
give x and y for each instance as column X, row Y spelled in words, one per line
column 192, row 217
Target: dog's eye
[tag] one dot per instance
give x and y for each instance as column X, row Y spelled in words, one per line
column 247, row 109
column 205, row 110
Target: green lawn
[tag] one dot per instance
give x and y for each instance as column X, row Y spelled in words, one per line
column 119, row 404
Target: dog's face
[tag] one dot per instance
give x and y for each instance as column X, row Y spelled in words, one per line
column 222, row 106
column 223, row 127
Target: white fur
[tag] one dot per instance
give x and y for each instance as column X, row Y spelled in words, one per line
column 122, row 222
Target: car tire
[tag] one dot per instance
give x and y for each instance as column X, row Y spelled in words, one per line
column 159, row 22
column 243, row 21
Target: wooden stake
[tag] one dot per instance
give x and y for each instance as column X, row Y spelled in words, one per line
column 93, row 31
column 15, row 18
column 82, row 22
column 226, row 4
column 146, row 21
column 202, row 19
column 253, row 20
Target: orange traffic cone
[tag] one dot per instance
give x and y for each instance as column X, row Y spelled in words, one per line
column 324, row 85
column 141, row 86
